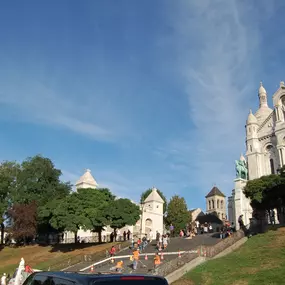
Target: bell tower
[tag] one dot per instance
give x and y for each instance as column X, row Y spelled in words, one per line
column 216, row 202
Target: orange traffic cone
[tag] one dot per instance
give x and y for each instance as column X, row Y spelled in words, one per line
column 92, row 268
column 179, row 254
column 162, row 256
column 146, row 258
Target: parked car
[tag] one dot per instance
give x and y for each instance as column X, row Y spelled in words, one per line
column 73, row 278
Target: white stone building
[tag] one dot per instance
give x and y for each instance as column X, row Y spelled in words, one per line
column 152, row 213
column 265, row 146
column 151, row 218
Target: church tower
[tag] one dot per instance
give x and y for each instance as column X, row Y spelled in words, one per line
column 253, row 151
column 86, row 181
column 152, row 213
column 216, row 202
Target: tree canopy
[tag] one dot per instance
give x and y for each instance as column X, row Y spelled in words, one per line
column 123, row 212
column 69, row 215
column 177, row 213
column 24, row 222
column 267, row 192
column 146, row 193
column 95, row 206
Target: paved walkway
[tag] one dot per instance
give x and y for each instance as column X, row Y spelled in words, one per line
column 145, row 266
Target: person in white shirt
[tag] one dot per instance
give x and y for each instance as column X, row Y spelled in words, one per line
column 151, row 236
column 3, row 279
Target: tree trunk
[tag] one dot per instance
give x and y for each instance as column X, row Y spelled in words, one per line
column 75, row 237
column 100, row 235
column 2, row 232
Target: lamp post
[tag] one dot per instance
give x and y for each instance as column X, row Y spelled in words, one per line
column 142, row 209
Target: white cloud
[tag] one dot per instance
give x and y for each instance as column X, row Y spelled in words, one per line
column 215, row 42
column 87, row 114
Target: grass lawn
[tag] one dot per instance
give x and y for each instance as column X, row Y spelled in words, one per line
column 43, row 257
column 259, row 261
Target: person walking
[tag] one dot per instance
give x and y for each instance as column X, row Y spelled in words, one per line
column 4, row 279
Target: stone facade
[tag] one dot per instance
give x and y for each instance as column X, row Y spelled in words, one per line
column 265, row 144
column 216, row 202
column 265, row 135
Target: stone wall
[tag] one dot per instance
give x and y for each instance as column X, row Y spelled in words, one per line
column 211, row 251
column 175, row 264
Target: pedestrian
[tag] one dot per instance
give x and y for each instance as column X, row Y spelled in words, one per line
column 4, row 279
column 171, row 229
column 135, row 259
column 157, row 261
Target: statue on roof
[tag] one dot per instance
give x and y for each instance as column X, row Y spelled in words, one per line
column 241, row 168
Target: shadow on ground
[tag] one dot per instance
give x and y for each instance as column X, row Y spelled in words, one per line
column 71, row 247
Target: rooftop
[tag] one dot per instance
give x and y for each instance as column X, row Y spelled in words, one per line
column 87, row 178
column 209, row 218
column 215, row 192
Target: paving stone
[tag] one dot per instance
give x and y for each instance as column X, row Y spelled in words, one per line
column 146, row 266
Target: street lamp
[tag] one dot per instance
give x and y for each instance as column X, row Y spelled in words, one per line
column 142, row 209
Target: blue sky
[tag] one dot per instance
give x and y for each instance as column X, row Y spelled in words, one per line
column 144, row 93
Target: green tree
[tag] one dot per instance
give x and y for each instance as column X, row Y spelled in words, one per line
column 146, row 193
column 69, row 215
column 8, row 181
column 177, row 213
column 39, row 181
column 264, row 192
column 122, row 212
column 96, row 204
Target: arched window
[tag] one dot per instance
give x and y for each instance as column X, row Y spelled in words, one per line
column 213, row 204
column 209, row 206
column 270, row 152
column 218, row 204
column 250, row 148
column 272, row 166
column 222, row 204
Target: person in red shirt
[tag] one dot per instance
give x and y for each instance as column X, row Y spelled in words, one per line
column 112, row 251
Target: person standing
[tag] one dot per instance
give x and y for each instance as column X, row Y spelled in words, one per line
column 171, row 229
column 240, row 221
column 3, row 279
column 151, row 236
column 135, row 259
column 128, row 234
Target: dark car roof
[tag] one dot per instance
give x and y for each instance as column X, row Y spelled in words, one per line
column 83, row 277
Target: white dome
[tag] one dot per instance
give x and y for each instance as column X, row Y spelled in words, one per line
column 261, row 89
column 262, row 113
column 251, row 119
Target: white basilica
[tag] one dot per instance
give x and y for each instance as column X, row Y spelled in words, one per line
column 151, row 218
column 265, row 146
